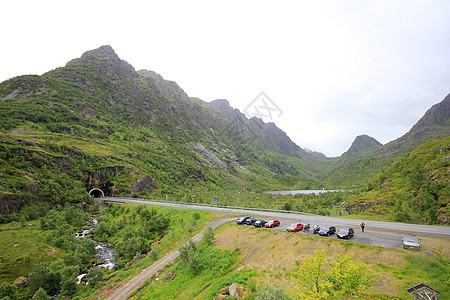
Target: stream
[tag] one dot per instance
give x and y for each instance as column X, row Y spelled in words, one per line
column 104, row 252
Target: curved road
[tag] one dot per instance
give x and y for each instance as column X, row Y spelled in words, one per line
column 134, row 283
column 384, row 234
column 304, row 218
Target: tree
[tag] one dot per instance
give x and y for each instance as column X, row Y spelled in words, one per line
column 41, row 294
column 209, row 236
column 189, row 255
column 311, row 278
column 349, row 277
column 319, row 277
column 69, row 280
column 95, row 275
column 8, row 291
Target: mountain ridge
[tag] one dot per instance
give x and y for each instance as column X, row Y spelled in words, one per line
column 146, row 128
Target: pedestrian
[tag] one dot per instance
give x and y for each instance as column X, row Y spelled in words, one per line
column 362, row 226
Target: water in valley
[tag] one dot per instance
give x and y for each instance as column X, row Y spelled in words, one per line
column 104, row 252
column 305, row 192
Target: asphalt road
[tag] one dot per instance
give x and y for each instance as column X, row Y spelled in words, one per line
column 377, row 233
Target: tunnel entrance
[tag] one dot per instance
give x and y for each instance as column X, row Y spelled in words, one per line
column 97, row 193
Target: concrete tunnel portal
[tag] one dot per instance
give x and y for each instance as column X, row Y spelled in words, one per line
column 97, row 193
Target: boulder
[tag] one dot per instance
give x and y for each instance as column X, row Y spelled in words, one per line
column 169, row 276
column 225, row 290
column 237, row 290
column 21, row 282
column 220, row 297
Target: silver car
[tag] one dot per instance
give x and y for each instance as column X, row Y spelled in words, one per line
column 411, row 242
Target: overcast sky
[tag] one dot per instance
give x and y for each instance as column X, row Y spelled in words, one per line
column 334, row 69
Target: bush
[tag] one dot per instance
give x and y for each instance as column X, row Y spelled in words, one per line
column 209, row 236
column 272, row 293
column 8, row 291
column 41, row 294
column 95, row 275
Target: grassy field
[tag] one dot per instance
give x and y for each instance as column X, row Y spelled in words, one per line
column 262, row 257
column 184, row 224
column 21, row 247
column 251, row 256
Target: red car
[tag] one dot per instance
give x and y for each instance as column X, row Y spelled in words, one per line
column 272, row 223
column 295, row 227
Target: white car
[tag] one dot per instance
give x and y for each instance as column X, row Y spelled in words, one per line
column 411, row 242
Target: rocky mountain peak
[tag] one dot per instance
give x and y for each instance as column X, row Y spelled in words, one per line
column 103, row 51
column 438, row 114
column 362, row 145
column 433, row 125
column 107, row 63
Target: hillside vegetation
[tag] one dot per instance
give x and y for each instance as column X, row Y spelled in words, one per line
column 99, row 126
column 413, row 189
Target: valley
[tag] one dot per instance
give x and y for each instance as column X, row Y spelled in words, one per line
column 98, row 129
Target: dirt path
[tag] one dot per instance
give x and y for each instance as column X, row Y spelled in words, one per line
column 131, row 285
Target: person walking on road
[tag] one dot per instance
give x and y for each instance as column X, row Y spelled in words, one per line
column 362, row 226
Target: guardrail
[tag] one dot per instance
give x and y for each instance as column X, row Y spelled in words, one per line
column 117, row 199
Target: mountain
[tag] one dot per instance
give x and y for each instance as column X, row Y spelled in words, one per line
column 366, row 157
column 414, row 189
column 434, row 124
column 362, row 145
column 315, row 153
column 98, row 125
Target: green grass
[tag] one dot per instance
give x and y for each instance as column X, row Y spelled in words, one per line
column 215, row 274
column 32, row 249
column 178, row 233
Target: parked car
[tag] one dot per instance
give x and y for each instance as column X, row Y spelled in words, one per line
column 294, row 227
column 250, row 221
column 242, row 220
column 410, row 241
column 260, row 223
column 327, row 230
column 345, row 233
column 272, row 223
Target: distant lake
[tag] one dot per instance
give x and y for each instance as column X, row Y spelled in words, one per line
column 305, row 192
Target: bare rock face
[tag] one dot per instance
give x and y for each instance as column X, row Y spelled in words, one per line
column 9, row 203
column 144, row 183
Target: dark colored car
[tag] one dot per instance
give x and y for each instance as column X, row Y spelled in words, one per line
column 295, row 227
column 242, row 220
column 410, row 241
column 260, row 223
column 250, row 221
column 272, row 223
column 345, row 233
column 327, row 230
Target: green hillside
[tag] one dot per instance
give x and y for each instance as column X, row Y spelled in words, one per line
column 414, row 189
column 97, row 123
column 99, row 126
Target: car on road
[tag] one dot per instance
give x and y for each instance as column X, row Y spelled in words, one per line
column 327, row 230
column 272, row 223
column 260, row 223
column 294, row 227
column 250, row 221
column 242, row 220
column 410, row 241
column 345, row 233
